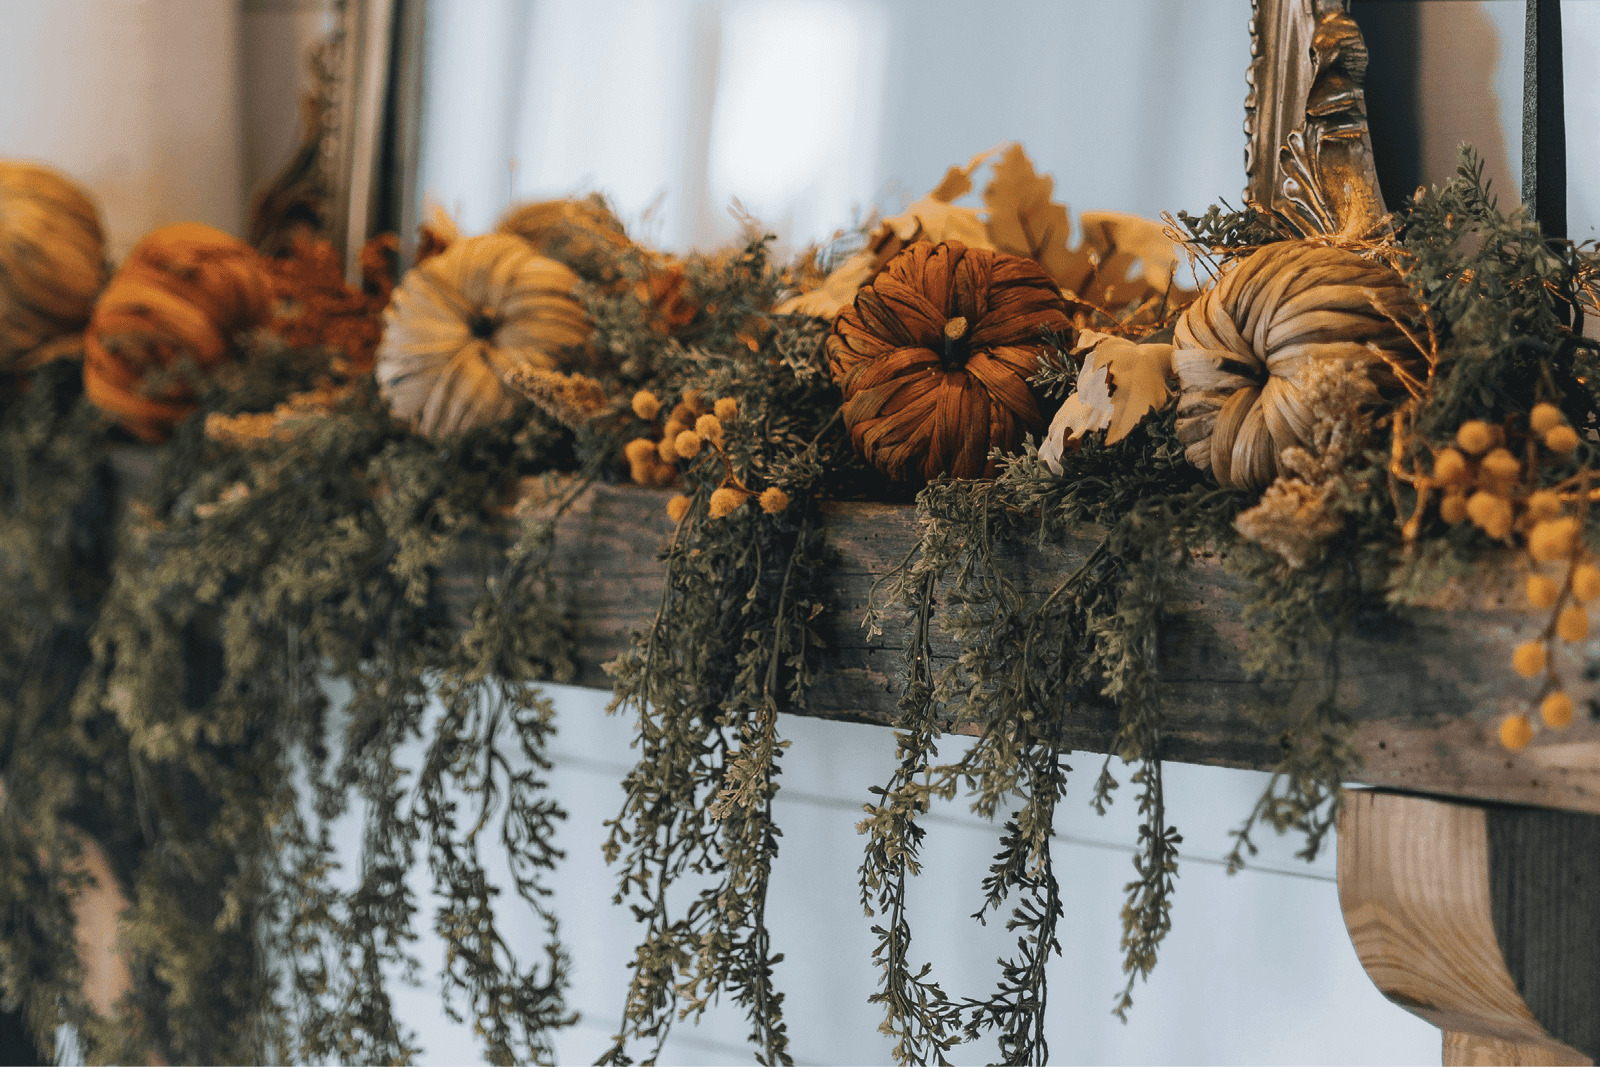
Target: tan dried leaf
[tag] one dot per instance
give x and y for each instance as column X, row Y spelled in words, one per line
column 1023, row 220
column 1119, row 260
column 1119, row 383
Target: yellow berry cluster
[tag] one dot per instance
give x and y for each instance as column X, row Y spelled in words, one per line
column 1485, row 482
column 693, row 431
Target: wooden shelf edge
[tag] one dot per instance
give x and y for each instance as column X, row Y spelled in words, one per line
column 1426, row 689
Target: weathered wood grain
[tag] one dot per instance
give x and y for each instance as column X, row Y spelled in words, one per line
column 1480, row 919
column 1427, row 688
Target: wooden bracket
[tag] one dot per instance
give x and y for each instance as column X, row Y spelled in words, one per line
column 1480, row 918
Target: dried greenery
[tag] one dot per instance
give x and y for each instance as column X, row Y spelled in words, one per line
column 732, row 644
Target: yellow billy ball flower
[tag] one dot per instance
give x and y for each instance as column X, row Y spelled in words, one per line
column 1515, row 731
column 1556, row 710
column 1573, row 623
column 1475, row 437
column 1453, row 508
column 1543, row 592
column 709, row 427
column 1553, row 539
column 1561, row 439
column 678, row 507
column 1529, row 659
column 1544, row 504
column 688, row 444
column 1585, row 581
column 667, row 449
column 1545, row 417
column 637, row 449
column 726, row 409
column 774, row 500
column 646, row 405
column 695, row 398
column 1450, row 468
column 1502, row 464
column 1490, row 512
column 725, row 501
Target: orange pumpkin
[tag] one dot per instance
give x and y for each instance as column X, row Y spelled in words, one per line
column 52, row 260
column 167, row 320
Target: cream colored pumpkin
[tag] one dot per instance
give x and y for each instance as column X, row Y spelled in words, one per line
column 462, row 320
column 52, row 260
column 1242, row 349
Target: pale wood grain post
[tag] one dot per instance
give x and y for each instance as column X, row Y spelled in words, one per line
column 1480, row 918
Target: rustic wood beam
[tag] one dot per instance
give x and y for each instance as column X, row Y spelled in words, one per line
column 1481, row 919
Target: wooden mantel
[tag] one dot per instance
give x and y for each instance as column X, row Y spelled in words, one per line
column 1428, row 688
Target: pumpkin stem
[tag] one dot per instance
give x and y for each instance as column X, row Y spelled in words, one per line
column 483, row 324
column 955, row 344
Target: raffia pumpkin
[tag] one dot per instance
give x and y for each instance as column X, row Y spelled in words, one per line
column 458, row 323
column 167, row 320
column 934, row 359
column 1242, row 348
column 52, row 260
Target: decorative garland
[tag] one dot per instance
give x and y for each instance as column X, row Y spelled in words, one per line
column 296, row 530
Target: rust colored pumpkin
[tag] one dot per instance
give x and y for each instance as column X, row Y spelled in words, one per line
column 935, row 355
column 52, row 260
column 167, row 320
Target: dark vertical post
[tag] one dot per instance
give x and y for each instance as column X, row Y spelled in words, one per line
column 1544, row 120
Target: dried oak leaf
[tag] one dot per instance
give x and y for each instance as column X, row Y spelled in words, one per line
column 935, row 355
column 1119, row 383
column 1121, row 259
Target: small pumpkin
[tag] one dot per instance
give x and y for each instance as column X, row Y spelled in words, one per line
column 52, row 260
column 1242, row 349
column 459, row 322
column 583, row 234
column 167, row 320
column 934, row 358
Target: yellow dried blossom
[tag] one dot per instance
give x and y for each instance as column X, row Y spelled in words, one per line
column 1491, row 513
column 688, row 444
column 1515, row 731
column 1553, row 539
column 695, row 400
column 1561, row 439
column 1475, row 437
column 1586, row 581
column 1450, row 468
column 725, row 501
column 646, row 405
column 709, row 427
column 1544, row 504
column 1556, row 710
column 726, row 409
column 1453, row 508
column 1573, row 623
column 637, row 449
column 678, row 507
column 1545, row 417
column 1543, row 592
column 773, row 500
column 1502, row 464
column 667, row 449
column 1529, row 659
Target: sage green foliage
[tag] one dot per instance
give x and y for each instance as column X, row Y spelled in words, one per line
column 733, row 643
column 247, row 574
column 54, row 549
